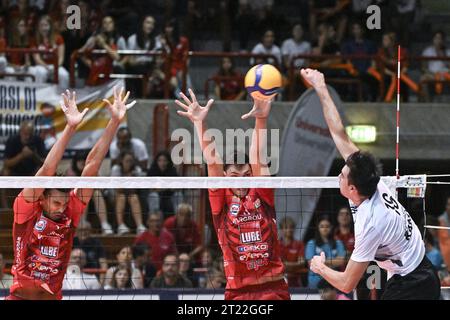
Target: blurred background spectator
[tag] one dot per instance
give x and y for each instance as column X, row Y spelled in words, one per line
column 6, row 279
column 170, row 276
column 75, row 278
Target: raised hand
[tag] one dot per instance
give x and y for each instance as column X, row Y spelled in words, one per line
column 261, row 109
column 313, row 77
column 70, row 109
column 194, row 111
column 119, row 108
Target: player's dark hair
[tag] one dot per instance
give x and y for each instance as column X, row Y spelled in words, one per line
column 364, row 173
column 237, row 159
column 330, row 238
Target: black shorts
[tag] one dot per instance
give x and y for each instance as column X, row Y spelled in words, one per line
column 421, row 284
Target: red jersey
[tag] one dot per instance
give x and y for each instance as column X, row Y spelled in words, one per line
column 47, row 57
column 42, row 246
column 186, row 238
column 291, row 253
column 160, row 245
column 247, row 233
column 347, row 239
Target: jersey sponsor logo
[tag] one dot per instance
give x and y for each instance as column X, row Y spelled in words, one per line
column 250, row 232
column 43, row 268
column 254, row 255
column 49, row 251
column 40, row 275
column 250, row 237
column 256, row 264
column 18, row 250
column 40, row 225
column 255, row 217
column 257, row 203
column 234, row 209
column 253, row 247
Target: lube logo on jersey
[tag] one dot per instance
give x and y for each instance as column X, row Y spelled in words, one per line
column 234, row 209
column 40, row 225
column 250, row 232
column 48, row 251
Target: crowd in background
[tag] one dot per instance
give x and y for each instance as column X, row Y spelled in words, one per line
column 173, row 28
column 168, row 251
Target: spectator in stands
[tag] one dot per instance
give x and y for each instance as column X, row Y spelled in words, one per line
column 359, row 45
column 144, row 39
column 185, row 231
column 215, row 280
column 92, row 247
column 387, row 67
column 107, row 39
column 18, row 39
column 292, row 252
column 76, row 168
column 170, row 277
column 128, row 167
column 185, row 268
column 324, row 241
column 75, row 278
column 126, row 142
column 121, row 279
column 58, row 14
column 157, row 79
column 245, row 22
column 344, row 231
column 433, row 253
column 124, row 261
column 164, row 200
column 203, row 267
column 267, row 46
column 158, row 238
column 295, row 46
column 330, row 11
column 444, row 235
column 6, row 279
column 21, row 9
column 142, row 262
column 47, row 38
column 177, row 47
column 437, row 70
column 24, row 152
column 229, row 82
column 74, row 39
column 403, row 19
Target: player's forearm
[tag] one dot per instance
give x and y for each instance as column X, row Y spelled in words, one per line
column 97, row 154
column 209, row 147
column 56, row 153
column 258, row 148
column 334, row 122
column 336, row 279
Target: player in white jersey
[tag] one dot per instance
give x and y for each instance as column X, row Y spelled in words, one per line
column 384, row 231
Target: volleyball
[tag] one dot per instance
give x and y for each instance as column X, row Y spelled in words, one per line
column 263, row 81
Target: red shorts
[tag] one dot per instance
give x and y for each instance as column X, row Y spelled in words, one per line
column 277, row 290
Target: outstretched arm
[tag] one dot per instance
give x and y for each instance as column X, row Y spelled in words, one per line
column 197, row 114
column 50, row 165
column 97, row 154
column 258, row 148
column 343, row 143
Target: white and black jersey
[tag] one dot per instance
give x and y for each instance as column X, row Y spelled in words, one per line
column 386, row 233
